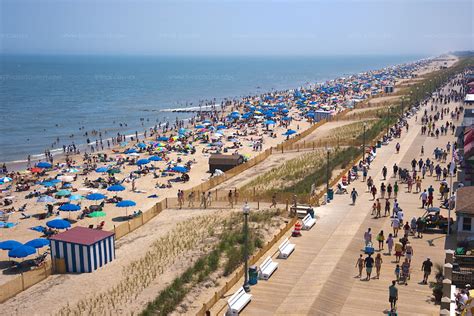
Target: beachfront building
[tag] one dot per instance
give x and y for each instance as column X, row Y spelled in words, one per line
column 224, row 162
column 465, row 213
column 82, row 249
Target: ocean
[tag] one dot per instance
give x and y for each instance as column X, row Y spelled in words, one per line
column 45, row 98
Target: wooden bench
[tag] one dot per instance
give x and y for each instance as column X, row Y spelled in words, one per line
column 308, row 222
column 286, row 249
column 238, row 301
column 300, row 210
column 267, row 268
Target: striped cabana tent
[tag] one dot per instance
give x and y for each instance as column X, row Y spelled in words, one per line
column 83, row 249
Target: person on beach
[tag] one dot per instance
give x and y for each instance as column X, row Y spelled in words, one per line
column 424, row 198
column 360, row 265
column 191, row 199
column 368, row 237
column 378, row 264
column 387, row 208
column 389, row 191
column 409, row 252
column 203, row 203
column 395, row 189
column 397, row 273
column 395, row 226
column 354, row 195
column 380, row 238
column 405, row 271
column 209, row 198
column 373, row 190
column 369, row 264
column 384, row 172
column 390, row 244
column 426, row 268
column 274, row 201
column 398, row 251
column 230, row 199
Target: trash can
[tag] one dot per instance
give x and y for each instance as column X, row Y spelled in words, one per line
column 330, row 194
column 379, row 144
column 253, row 275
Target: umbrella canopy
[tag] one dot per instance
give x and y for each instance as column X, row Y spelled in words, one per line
column 270, row 122
column 289, row 132
column 155, row 158
column 141, row 145
column 130, row 151
column 141, row 162
column 63, row 193
column 58, row 223
column 5, row 179
column 116, row 188
column 46, row 199
column 10, row 244
column 21, row 252
column 43, row 164
column 102, row 169
column 179, row 169
column 66, row 178
column 95, row 196
column 36, row 170
column 38, row 243
column 113, row 171
column 126, row 203
column 73, row 170
column 76, row 197
column 47, row 184
column 97, row 214
column 68, row 207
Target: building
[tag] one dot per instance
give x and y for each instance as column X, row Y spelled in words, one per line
column 465, row 213
column 224, row 162
column 82, row 249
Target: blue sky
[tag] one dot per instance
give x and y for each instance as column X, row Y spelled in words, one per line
column 235, row 27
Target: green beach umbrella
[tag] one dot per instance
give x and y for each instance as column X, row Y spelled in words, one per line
column 63, row 193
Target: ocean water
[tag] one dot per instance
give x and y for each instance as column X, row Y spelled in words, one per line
column 43, row 98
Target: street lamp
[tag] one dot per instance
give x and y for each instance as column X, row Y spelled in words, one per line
column 388, row 117
column 246, row 211
column 363, row 142
column 328, row 151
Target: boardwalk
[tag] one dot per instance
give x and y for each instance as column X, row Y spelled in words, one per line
column 320, row 277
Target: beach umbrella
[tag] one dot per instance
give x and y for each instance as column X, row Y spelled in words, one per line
column 130, row 151
column 102, row 169
column 38, row 243
column 69, row 207
column 141, row 145
column 5, row 179
column 47, row 184
column 199, row 126
column 113, row 171
column 126, row 203
column 66, row 178
column 179, row 169
column 95, row 196
column 46, row 199
column 134, row 154
column 72, row 170
column 289, row 132
column 10, row 244
column 63, row 193
column 155, row 158
column 141, row 162
column 97, row 214
column 286, row 118
column 21, row 251
column 116, row 188
column 76, row 197
column 44, row 165
column 54, row 181
column 270, row 122
column 163, row 138
column 58, row 223
column 36, row 170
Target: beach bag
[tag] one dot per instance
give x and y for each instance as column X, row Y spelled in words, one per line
column 369, row 249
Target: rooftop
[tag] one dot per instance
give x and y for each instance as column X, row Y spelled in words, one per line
column 82, row 236
column 465, row 200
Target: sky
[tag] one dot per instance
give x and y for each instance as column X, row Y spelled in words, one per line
column 235, row 27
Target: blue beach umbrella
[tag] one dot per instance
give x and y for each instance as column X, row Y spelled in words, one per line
column 179, row 169
column 44, row 164
column 155, row 158
column 46, row 199
column 76, row 197
column 116, row 188
column 58, row 223
column 164, row 138
column 38, row 243
column 69, row 207
column 5, row 179
column 126, row 203
column 270, row 122
column 142, row 162
column 289, row 132
column 130, row 151
column 55, row 181
column 286, row 118
column 95, row 197
column 21, row 252
column 63, row 193
column 102, row 169
column 47, row 184
column 141, row 145
column 199, row 126
column 10, row 244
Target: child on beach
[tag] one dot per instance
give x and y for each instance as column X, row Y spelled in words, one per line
column 397, row 273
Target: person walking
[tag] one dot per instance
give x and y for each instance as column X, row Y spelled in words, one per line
column 395, row 226
column 380, row 238
column 426, row 268
column 360, row 265
column 390, row 244
column 409, row 252
column 230, row 199
column 191, row 199
column 369, row 264
column 378, row 264
column 389, row 191
column 354, row 195
column 387, row 208
column 393, row 296
column 373, row 190
column 384, row 172
column 368, row 237
column 378, row 207
column 424, row 198
column 395, row 189
column 274, row 201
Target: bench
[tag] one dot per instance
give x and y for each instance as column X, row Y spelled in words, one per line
column 308, row 222
column 267, row 268
column 238, row 301
column 300, row 210
column 286, row 249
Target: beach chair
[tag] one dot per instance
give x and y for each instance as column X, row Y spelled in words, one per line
column 238, row 301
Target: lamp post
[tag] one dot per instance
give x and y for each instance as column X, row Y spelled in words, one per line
column 388, row 118
column 363, row 142
column 403, row 106
column 246, row 211
column 328, row 151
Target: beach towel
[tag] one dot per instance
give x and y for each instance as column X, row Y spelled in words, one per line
column 153, row 196
column 38, row 228
column 7, row 224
